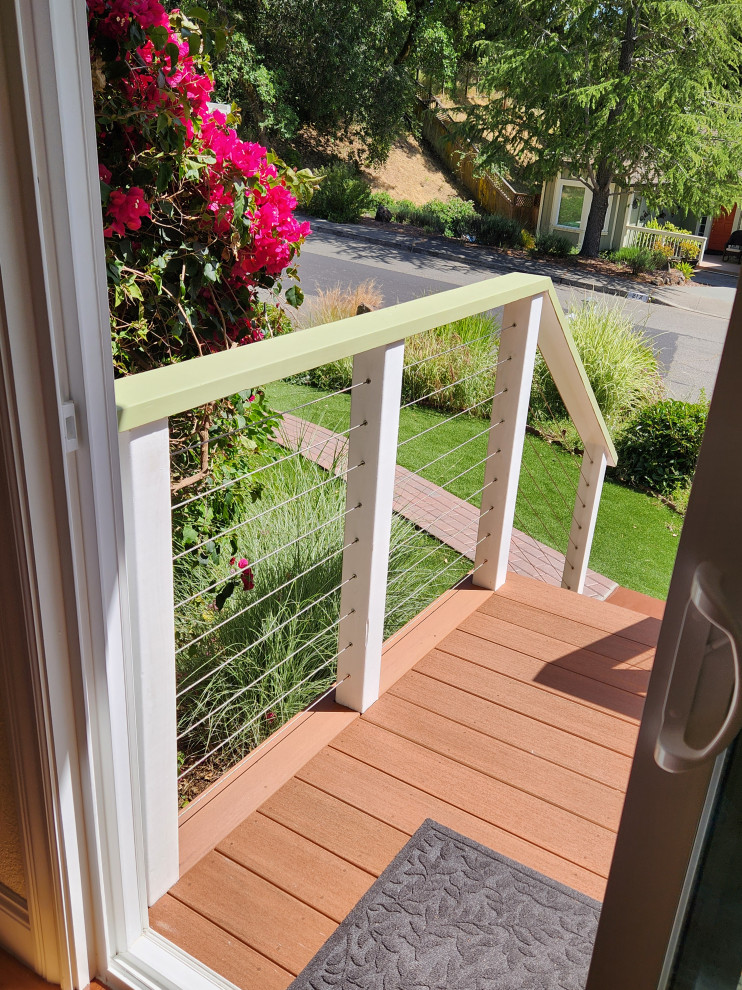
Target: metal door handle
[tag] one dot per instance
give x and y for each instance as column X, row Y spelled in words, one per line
column 707, row 615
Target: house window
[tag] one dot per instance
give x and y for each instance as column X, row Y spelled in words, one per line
column 570, row 207
column 703, row 224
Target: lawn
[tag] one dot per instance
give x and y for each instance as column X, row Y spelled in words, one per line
column 636, row 537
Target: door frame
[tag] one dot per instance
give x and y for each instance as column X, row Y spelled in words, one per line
column 648, row 882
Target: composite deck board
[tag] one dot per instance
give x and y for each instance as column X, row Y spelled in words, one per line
column 516, row 728
column 542, row 647
column 262, row 916
column 477, row 647
column 565, row 788
column 578, row 634
column 531, row 700
column 215, row 947
column 406, row 807
column 603, row 615
column 556, row 745
column 296, row 865
column 516, row 811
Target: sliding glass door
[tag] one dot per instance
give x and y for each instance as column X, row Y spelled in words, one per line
column 671, row 916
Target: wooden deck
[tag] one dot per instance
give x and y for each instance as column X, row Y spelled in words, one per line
column 510, row 717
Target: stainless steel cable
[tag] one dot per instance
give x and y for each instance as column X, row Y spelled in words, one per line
column 271, row 464
column 453, row 450
column 260, row 560
column 458, row 347
column 269, row 594
column 442, row 548
column 443, row 388
column 266, row 673
column 265, row 711
column 559, row 521
column 264, row 419
column 272, row 508
column 528, row 556
column 430, row 580
column 426, row 532
column 444, row 422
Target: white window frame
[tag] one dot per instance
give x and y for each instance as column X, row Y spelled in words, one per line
column 96, row 895
column 560, row 184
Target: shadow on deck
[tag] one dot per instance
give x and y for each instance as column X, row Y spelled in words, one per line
column 510, row 717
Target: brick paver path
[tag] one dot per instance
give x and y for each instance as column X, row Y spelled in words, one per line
column 450, row 519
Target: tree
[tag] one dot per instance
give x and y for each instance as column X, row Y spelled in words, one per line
column 339, row 66
column 644, row 94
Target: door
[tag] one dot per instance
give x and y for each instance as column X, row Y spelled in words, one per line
column 671, row 809
column 721, row 229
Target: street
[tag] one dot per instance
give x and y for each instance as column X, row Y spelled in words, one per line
column 687, row 344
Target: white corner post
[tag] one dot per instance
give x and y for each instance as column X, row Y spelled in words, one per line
column 587, row 503
column 374, row 419
column 145, row 478
column 516, row 357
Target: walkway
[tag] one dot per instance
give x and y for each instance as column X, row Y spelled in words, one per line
column 449, row 519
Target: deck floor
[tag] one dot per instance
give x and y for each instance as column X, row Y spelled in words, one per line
column 517, row 730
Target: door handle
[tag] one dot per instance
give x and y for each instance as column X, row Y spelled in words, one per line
column 709, row 627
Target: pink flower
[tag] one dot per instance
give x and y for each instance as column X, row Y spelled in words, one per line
column 270, row 717
column 246, row 575
column 126, row 209
column 104, row 174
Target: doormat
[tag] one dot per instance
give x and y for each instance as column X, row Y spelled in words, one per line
column 450, row 914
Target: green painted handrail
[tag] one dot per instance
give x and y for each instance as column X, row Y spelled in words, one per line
column 163, row 392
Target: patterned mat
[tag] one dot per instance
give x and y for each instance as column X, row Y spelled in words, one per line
column 450, row 914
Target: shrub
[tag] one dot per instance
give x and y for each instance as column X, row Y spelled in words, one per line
column 343, row 196
column 658, row 448
column 195, row 219
column 688, row 250
column 554, row 244
column 527, row 240
column 638, row 259
column 497, row 231
column 404, row 210
column 685, row 269
column 662, row 255
column 621, row 368
column 451, row 218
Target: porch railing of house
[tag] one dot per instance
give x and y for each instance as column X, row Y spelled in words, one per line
column 532, row 318
column 648, row 237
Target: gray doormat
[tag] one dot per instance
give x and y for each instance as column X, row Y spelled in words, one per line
column 450, row 914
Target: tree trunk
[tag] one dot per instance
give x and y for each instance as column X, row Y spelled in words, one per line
column 595, row 221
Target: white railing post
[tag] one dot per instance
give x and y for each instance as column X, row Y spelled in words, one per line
column 145, row 478
column 516, row 356
column 585, row 514
column 368, row 528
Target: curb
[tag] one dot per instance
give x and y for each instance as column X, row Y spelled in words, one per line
column 415, row 245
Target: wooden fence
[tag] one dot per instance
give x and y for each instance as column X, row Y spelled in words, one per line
column 491, row 192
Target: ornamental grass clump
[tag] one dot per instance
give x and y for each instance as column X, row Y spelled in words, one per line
column 196, row 220
column 620, row 367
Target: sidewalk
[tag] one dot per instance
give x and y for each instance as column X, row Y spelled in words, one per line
column 713, row 297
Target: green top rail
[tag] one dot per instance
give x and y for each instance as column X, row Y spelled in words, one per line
column 154, row 395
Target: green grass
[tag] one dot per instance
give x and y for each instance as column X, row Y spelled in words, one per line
column 636, row 536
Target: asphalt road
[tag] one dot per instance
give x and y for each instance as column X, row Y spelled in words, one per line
column 688, row 344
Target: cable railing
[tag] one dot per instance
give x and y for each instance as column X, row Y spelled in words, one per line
column 264, row 581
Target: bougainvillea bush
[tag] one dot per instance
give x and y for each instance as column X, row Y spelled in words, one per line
column 196, row 220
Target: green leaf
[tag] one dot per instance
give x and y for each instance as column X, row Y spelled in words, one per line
column 200, row 12
column 194, row 44
column 294, row 296
column 173, row 54
column 224, row 594
column 189, row 535
column 164, row 175
column 158, row 36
